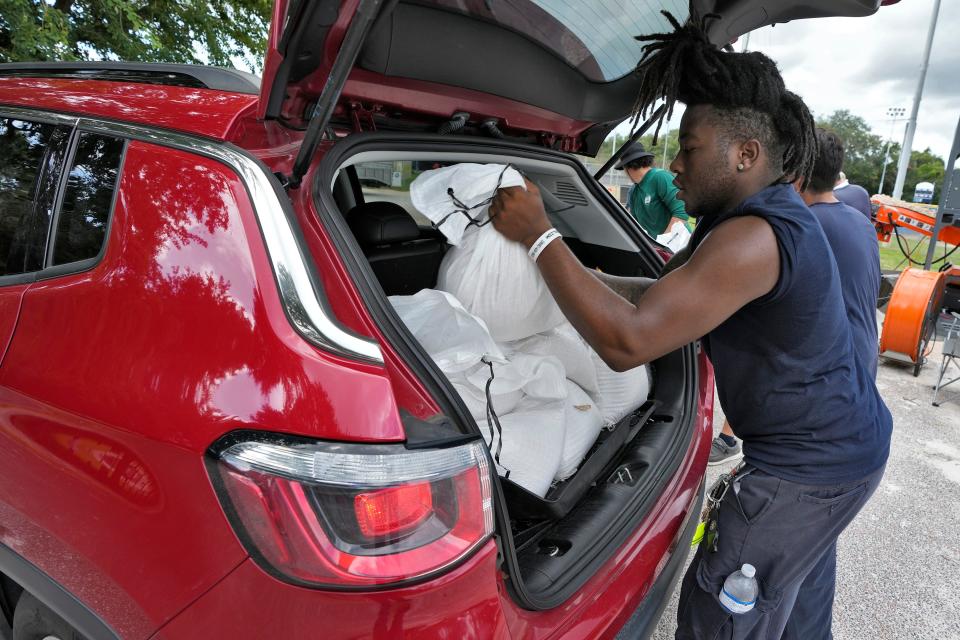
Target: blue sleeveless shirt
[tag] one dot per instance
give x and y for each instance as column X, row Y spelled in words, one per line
column 788, row 379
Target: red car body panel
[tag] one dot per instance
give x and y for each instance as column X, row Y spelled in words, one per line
column 9, row 311
column 227, row 359
column 202, row 112
column 463, row 603
column 410, row 393
column 175, row 318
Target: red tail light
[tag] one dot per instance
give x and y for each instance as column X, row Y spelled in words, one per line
column 338, row 515
column 390, row 512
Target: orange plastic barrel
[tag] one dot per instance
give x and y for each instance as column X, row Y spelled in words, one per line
column 911, row 312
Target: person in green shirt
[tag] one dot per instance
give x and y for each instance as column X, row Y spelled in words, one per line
column 653, row 196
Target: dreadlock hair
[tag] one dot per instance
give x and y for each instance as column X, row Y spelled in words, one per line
column 745, row 90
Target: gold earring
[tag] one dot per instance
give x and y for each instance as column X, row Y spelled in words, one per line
column 740, row 167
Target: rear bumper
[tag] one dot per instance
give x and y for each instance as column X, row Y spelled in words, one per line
column 646, row 616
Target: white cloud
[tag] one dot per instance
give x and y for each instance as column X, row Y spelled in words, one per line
column 868, row 64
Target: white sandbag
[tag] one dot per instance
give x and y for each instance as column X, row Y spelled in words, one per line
column 537, row 377
column 471, row 184
column 454, row 338
column 521, row 376
column 582, row 425
column 620, row 392
column 565, row 344
column 493, row 277
column 532, row 444
column 497, row 281
column 474, row 396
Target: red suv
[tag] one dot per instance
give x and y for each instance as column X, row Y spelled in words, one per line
column 213, row 422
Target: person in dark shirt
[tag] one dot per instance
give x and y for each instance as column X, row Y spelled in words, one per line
column 852, row 195
column 853, row 240
column 854, row 243
column 761, row 288
column 653, row 196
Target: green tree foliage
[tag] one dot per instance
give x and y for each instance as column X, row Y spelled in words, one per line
column 188, row 31
column 863, row 150
column 668, row 139
column 925, row 166
column 864, row 156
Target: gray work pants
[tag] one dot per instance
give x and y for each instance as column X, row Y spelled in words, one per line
column 788, row 531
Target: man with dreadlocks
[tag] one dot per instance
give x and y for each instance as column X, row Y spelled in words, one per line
column 761, row 288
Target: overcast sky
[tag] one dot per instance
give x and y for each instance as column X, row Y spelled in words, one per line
column 869, row 64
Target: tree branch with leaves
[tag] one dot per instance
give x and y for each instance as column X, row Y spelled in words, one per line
column 185, row 31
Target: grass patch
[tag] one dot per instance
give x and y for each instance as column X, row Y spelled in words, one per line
column 892, row 259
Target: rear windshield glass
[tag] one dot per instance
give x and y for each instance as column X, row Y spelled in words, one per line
column 596, row 37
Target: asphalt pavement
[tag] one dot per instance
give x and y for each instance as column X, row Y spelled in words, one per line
column 898, row 563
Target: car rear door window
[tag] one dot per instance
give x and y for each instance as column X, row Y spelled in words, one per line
column 24, row 148
column 596, row 37
column 88, row 199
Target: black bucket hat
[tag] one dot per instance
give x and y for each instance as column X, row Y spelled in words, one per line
column 635, row 152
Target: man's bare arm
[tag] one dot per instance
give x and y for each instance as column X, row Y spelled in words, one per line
column 737, row 263
column 630, row 289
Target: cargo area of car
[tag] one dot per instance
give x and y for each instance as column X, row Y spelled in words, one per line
column 551, row 544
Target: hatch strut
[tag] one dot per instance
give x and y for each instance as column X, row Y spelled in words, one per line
column 636, row 135
column 363, row 19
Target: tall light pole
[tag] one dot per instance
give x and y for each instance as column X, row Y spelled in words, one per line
column 912, row 123
column 895, row 114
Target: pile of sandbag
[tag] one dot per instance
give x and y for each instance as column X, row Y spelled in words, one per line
column 539, row 393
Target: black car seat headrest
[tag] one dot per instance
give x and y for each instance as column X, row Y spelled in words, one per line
column 379, row 223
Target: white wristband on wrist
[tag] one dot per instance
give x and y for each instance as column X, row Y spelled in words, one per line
column 542, row 242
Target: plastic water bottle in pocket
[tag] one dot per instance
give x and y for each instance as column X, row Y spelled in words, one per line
column 739, row 593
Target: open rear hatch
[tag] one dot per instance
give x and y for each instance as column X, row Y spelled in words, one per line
column 556, row 74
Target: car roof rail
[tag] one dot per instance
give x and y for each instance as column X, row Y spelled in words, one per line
column 177, row 75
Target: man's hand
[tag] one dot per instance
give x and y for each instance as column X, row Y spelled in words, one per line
column 518, row 214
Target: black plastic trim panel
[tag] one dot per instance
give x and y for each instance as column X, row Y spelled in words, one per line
column 52, row 594
column 175, row 75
